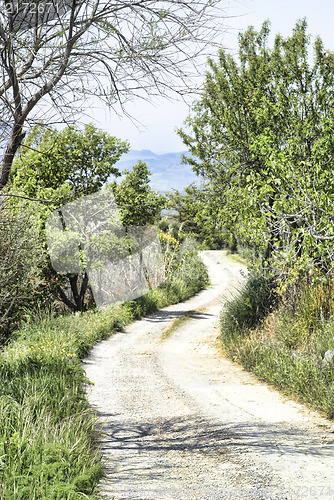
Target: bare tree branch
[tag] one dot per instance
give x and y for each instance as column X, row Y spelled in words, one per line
column 25, row 198
column 113, row 50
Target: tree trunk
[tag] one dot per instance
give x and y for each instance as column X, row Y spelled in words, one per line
column 271, row 243
column 13, row 145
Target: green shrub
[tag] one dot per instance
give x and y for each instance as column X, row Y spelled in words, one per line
column 22, row 256
column 248, row 307
column 287, row 348
column 252, row 254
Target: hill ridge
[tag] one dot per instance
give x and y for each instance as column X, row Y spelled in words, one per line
column 167, row 170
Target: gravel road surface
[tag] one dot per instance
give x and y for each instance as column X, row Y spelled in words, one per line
column 181, row 422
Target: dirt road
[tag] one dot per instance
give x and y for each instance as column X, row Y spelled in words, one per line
column 182, row 422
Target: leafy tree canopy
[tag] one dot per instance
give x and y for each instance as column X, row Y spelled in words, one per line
column 198, row 214
column 61, row 166
column 138, row 203
column 262, row 133
column 68, row 163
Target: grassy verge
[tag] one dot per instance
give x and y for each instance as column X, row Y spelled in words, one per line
column 235, row 257
column 246, row 255
column 177, row 323
column 282, row 347
column 47, row 446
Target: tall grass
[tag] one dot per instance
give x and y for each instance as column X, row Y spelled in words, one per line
column 47, row 443
column 249, row 306
column 46, row 430
column 285, row 346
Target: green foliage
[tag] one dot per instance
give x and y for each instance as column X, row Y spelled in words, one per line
column 61, row 166
column 262, row 136
column 251, row 305
column 307, row 321
column 189, row 269
column 22, row 257
column 46, row 429
column 288, row 347
column 251, row 254
column 198, row 214
column 69, row 162
column 138, row 203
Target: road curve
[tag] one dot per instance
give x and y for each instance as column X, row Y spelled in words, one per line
column 181, row 422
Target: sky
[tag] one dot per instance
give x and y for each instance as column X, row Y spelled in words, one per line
column 159, row 120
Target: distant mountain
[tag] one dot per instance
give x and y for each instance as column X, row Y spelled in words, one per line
column 166, row 169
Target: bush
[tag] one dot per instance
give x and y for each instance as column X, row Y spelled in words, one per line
column 287, row 348
column 21, row 258
column 251, row 304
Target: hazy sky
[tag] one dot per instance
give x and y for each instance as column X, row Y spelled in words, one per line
column 160, row 119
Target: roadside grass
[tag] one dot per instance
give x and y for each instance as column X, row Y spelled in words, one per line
column 235, row 257
column 245, row 255
column 46, row 434
column 176, row 323
column 249, row 306
column 284, row 347
column 48, row 448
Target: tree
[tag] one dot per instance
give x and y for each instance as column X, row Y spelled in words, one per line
column 69, row 161
column 262, row 134
column 138, row 203
column 61, row 167
column 56, row 55
column 198, row 214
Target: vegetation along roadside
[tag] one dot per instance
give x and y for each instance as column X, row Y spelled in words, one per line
column 289, row 347
column 47, row 446
column 261, row 135
column 267, row 188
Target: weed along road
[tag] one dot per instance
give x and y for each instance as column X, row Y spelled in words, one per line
column 181, row 422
